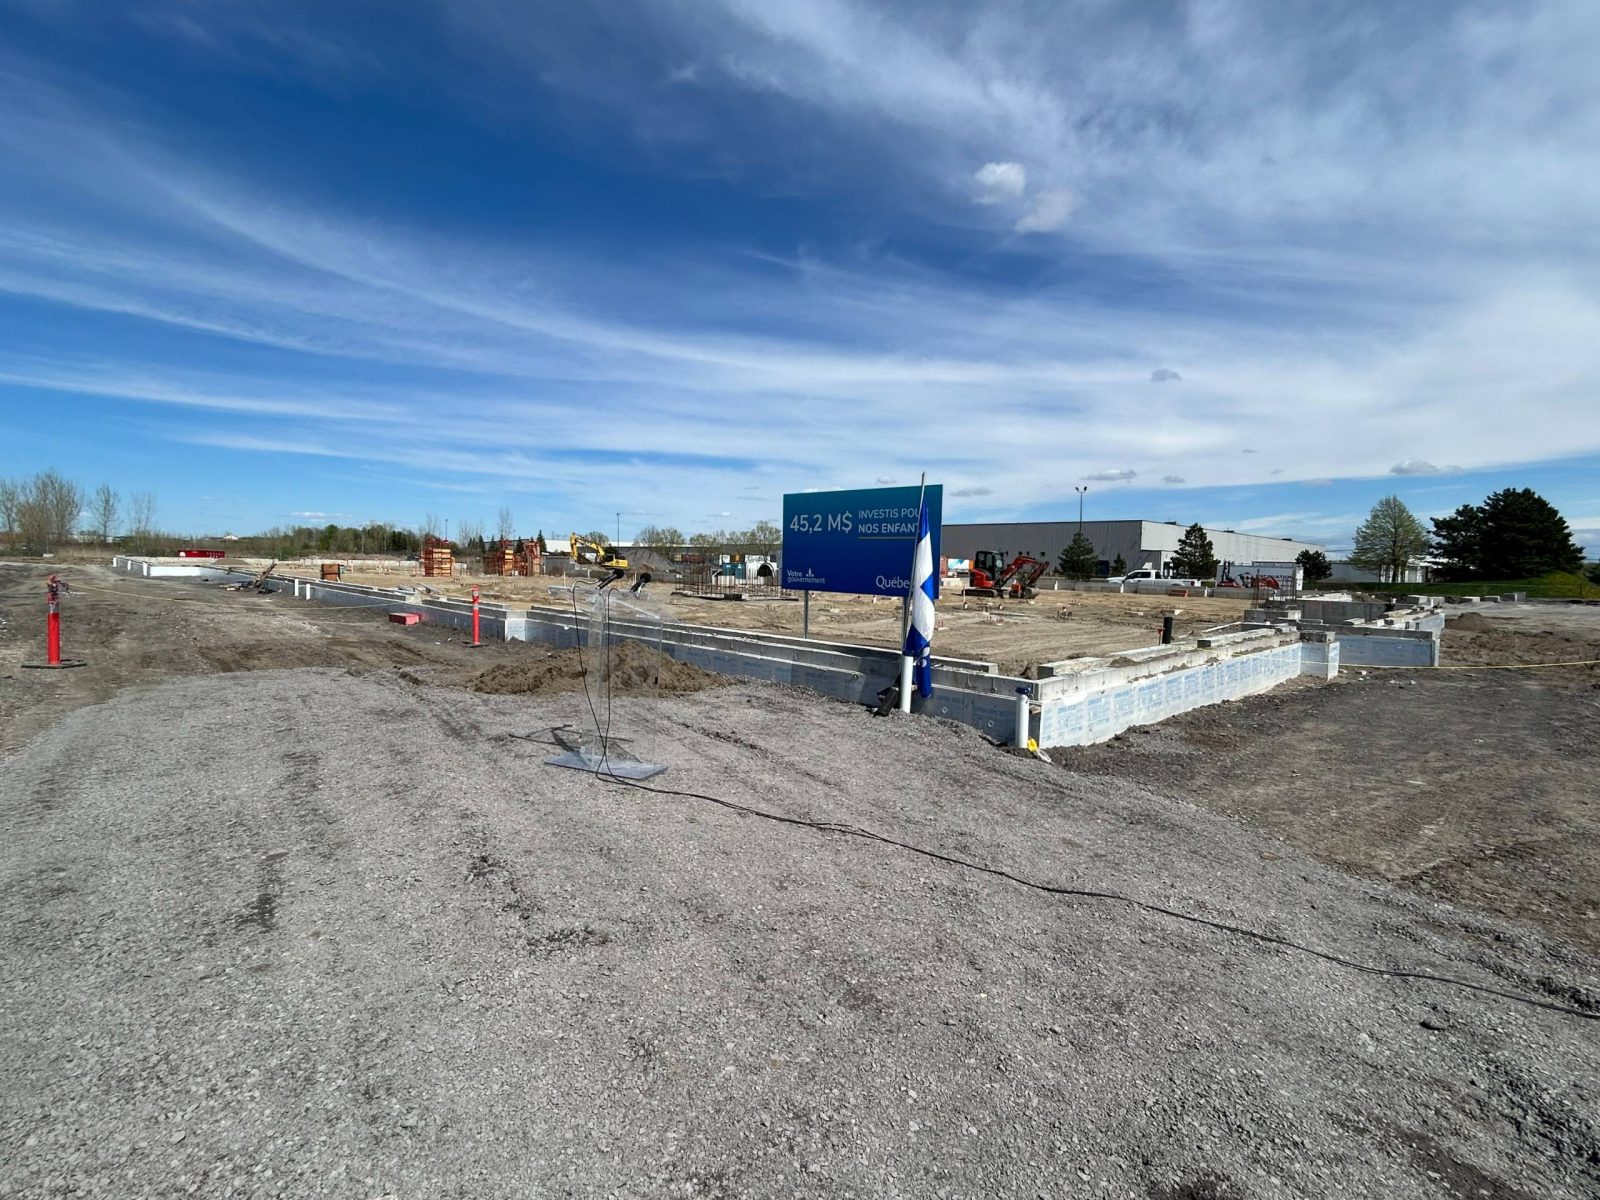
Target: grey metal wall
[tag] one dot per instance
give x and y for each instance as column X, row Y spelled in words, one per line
column 1137, row 541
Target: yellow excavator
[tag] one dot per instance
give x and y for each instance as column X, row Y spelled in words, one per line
column 597, row 554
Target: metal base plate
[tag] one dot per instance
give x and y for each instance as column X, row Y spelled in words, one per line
column 595, row 764
column 55, row 666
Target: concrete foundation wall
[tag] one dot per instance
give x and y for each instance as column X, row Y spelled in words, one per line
column 1320, row 657
column 1377, row 646
column 147, row 568
column 1097, row 713
column 1074, row 703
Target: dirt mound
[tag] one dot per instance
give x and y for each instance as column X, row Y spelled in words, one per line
column 1471, row 623
column 635, row 668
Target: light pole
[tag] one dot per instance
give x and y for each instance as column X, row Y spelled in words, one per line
column 619, row 529
column 1080, row 491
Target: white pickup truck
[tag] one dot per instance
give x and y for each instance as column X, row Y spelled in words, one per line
column 1151, row 575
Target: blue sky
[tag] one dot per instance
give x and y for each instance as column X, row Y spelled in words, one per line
column 1250, row 264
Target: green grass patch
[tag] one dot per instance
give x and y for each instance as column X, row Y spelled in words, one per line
column 1558, row 585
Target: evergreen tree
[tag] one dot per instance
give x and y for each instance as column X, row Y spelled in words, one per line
column 539, row 541
column 1524, row 537
column 1078, row 560
column 1119, row 565
column 1514, row 534
column 1315, row 564
column 1195, row 557
column 1389, row 539
column 1458, row 542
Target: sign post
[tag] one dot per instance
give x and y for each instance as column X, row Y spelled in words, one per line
column 860, row 542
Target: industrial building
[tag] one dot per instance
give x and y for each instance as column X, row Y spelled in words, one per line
column 1138, row 542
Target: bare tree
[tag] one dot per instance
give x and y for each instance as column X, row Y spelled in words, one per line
column 663, row 539
column 9, row 498
column 506, row 525
column 142, row 517
column 103, row 510
column 47, row 510
column 766, row 538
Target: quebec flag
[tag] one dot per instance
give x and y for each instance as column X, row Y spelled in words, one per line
column 919, row 637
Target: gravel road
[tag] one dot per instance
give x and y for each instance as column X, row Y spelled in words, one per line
column 320, row 933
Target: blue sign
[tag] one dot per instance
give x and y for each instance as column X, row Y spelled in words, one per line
column 858, row 541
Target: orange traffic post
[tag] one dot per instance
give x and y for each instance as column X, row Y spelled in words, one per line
column 475, row 643
column 53, row 589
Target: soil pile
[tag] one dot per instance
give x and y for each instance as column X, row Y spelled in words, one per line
column 634, row 668
column 1470, row 623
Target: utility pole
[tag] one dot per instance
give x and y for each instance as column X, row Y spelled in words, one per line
column 1080, row 491
column 619, row 529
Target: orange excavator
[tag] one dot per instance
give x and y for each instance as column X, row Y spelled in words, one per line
column 992, row 576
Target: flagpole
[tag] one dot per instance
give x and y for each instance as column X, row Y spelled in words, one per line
column 906, row 661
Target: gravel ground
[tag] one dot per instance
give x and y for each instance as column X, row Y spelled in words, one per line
column 318, row 933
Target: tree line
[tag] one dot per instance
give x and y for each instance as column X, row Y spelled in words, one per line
column 1514, row 534
column 764, row 537
column 41, row 514
column 44, row 512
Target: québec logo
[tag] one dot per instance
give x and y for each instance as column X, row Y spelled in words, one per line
column 897, row 583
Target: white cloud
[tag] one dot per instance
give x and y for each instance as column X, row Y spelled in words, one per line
column 1000, row 182
column 1047, row 212
column 1418, row 466
column 971, row 492
column 526, row 343
column 1164, row 375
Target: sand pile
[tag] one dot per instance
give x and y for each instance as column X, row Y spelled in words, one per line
column 635, row 668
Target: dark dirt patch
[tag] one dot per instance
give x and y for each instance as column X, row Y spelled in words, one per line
column 134, row 633
column 568, row 940
column 1204, row 1187
column 634, row 669
column 1477, row 640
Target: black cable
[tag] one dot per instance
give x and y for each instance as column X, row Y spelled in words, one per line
column 611, row 678
column 583, row 674
column 1092, row 894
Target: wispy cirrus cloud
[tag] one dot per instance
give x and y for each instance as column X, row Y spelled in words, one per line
column 1248, row 161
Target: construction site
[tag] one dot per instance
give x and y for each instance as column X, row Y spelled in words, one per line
column 1169, row 895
